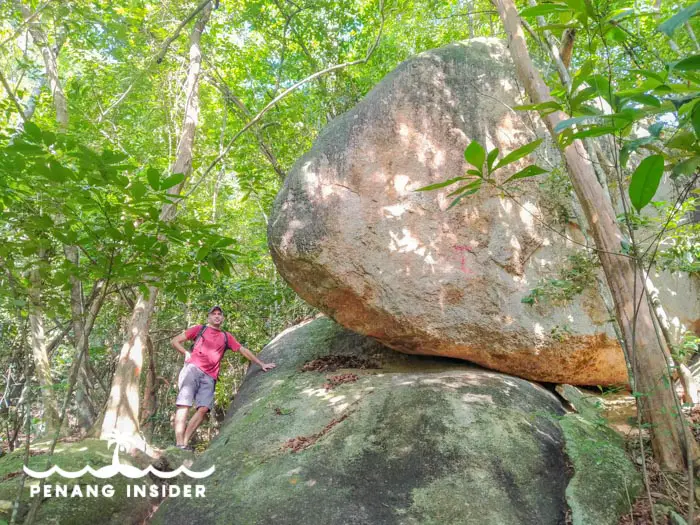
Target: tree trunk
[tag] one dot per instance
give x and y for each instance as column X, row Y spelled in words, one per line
column 648, row 358
column 86, row 410
column 59, row 98
column 150, row 402
column 122, row 412
column 42, row 368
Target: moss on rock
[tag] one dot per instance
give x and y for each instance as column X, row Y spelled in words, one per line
column 117, row 509
column 441, row 444
column 605, row 481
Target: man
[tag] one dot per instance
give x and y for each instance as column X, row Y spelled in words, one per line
column 197, row 378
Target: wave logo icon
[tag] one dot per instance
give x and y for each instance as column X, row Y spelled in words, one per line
column 128, row 471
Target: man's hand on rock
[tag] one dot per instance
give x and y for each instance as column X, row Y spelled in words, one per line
column 268, row 366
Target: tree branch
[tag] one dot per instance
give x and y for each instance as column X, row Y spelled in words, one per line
column 164, row 48
column 12, row 96
column 286, row 92
column 157, row 59
column 24, row 24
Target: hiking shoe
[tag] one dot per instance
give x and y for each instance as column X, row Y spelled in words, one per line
column 185, row 447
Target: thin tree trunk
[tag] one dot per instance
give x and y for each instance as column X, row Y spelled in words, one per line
column 222, row 169
column 51, row 65
column 554, row 51
column 42, row 368
column 470, row 19
column 150, row 404
column 122, row 410
column 265, row 148
column 670, row 440
column 86, row 411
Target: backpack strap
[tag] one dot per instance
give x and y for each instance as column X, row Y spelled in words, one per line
column 199, row 335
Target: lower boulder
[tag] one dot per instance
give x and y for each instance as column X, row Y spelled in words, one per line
column 345, row 431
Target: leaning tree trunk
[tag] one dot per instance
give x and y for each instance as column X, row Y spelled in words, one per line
column 648, row 358
column 122, row 412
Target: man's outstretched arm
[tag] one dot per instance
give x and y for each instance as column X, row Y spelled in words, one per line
column 177, row 344
column 251, row 357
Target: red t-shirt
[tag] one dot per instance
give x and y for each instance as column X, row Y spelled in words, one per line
column 209, row 350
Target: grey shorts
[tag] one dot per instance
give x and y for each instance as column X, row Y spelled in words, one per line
column 195, row 386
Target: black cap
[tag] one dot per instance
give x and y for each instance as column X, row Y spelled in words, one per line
column 216, row 307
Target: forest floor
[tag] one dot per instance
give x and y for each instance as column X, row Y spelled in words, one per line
column 665, row 500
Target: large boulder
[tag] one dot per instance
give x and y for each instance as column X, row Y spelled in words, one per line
column 352, row 236
column 345, row 431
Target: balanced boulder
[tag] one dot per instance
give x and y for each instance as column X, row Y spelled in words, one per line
column 354, row 238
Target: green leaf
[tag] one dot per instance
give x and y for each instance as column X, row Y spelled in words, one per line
column 553, row 27
column 645, row 181
column 647, row 100
column 695, row 119
column 581, row 75
column 493, row 155
column 475, row 155
column 602, row 84
column 113, row 157
column 138, row 190
column 684, row 140
column 562, row 125
column 518, row 153
column 681, row 17
column 205, row 274
column 173, row 180
column 59, row 172
column 649, row 74
column 530, row 171
column 26, row 148
column 32, row 131
column 471, row 186
column 621, row 14
column 632, row 146
column 594, row 131
column 545, row 107
column 476, row 173
column 582, row 96
column 544, row 9
column 692, row 63
column 625, row 248
column 578, row 6
column 48, row 137
column 153, row 176
column 687, row 167
column 474, row 189
column 442, row 184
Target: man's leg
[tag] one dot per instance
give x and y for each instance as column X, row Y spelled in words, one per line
column 187, row 385
column 180, row 424
column 204, row 400
column 199, row 416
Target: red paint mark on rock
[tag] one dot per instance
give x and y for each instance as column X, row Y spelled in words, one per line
column 462, row 249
